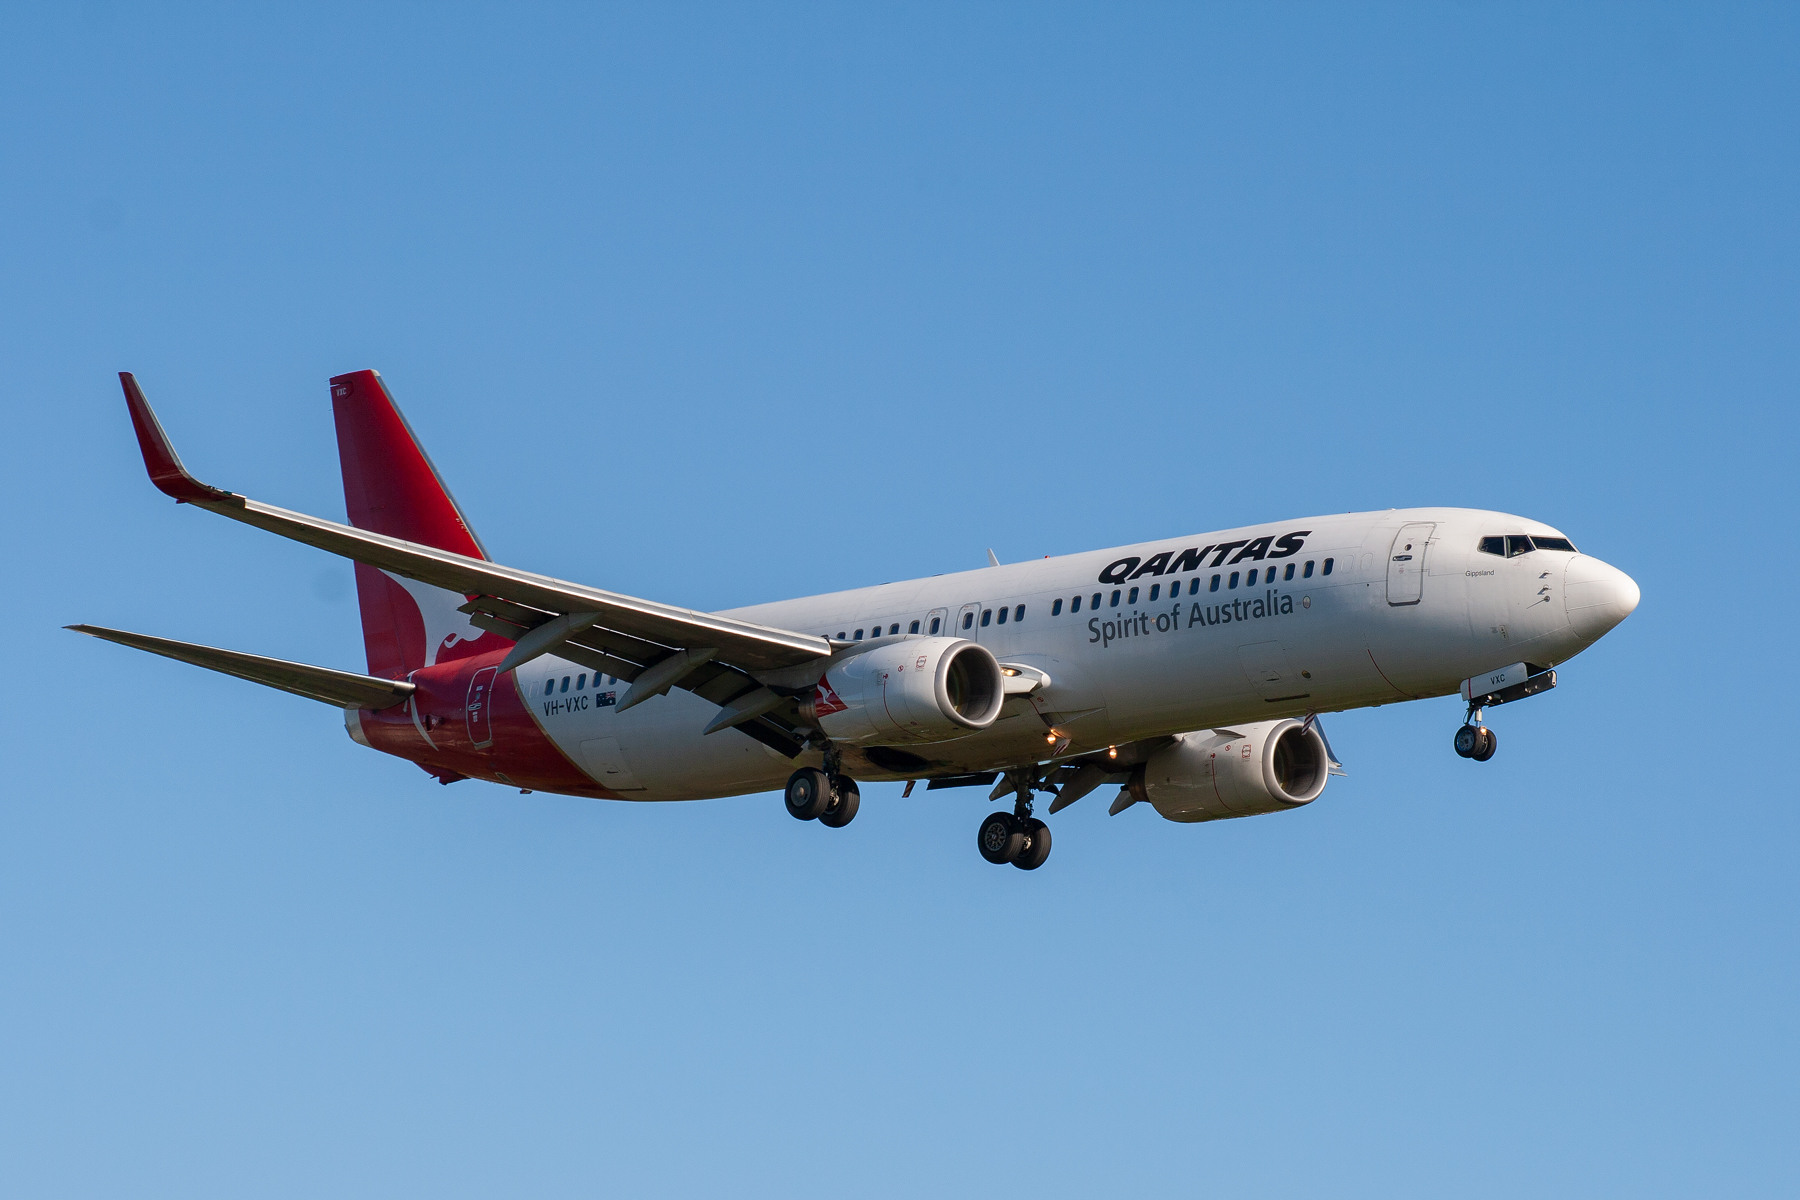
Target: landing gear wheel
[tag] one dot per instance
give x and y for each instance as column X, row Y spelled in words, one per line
column 1000, row 839
column 843, row 810
column 1489, row 744
column 1037, row 845
column 1477, row 742
column 808, row 793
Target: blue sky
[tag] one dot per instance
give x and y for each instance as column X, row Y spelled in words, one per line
column 721, row 305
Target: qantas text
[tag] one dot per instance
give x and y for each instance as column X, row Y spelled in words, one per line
column 1168, row 562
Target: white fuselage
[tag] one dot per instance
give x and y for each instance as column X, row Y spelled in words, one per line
column 1411, row 606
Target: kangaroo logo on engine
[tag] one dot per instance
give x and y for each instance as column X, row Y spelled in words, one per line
column 826, row 702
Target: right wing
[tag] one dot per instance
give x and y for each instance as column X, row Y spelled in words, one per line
column 625, row 636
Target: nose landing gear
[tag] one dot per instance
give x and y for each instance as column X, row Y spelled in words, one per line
column 1517, row 682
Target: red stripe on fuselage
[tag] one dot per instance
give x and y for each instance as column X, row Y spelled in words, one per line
column 519, row 754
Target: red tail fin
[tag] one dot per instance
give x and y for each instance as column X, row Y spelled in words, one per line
column 391, row 487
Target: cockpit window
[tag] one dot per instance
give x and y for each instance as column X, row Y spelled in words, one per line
column 1550, row 543
column 1494, row 545
column 1517, row 544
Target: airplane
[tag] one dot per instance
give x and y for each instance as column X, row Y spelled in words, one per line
column 1191, row 672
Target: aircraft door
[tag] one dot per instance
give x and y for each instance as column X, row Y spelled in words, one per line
column 1406, row 563
column 937, row 622
column 478, row 706
column 968, row 622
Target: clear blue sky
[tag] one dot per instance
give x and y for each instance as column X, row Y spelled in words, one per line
column 721, row 305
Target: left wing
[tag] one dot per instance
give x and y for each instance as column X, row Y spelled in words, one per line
column 622, row 635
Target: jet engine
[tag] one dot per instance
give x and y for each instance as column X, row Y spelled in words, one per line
column 1267, row 766
column 912, row 690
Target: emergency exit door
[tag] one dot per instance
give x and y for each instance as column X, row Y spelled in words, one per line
column 1406, row 564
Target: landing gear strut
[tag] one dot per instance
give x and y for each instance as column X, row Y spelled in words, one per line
column 831, row 800
column 1015, row 837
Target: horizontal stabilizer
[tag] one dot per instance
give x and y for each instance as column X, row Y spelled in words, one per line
column 346, row 689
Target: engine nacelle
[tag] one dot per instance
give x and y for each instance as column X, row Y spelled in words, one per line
column 913, row 690
column 1267, row 766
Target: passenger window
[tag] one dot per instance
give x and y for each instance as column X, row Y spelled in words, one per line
column 1115, row 598
column 1494, row 545
column 859, row 635
column 1234, row 579
column 1288, row 574
column 840, row 635
column 1194, row 585
column 1155, row 588
column 934, row 624
column 1056, row 607
column 1075, row 605
column 1307, row 574
column 1003, row 616
column 1251, row 580
column 913, row 628
column 1517, row 544
column 565, row 684
column 968, row 619
column 875, row 631
column 1018, row 614
column 987, row 615
column 895, row 628
column 580, row 681
column 1215, row 584
column 1327, row 569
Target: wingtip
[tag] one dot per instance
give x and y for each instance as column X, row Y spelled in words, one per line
column 160, row 460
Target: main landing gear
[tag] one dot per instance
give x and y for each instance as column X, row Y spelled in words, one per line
column 831, row 800
column 1015, row 837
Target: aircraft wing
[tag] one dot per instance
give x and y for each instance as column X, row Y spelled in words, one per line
column 520, row 599
column 346, row 689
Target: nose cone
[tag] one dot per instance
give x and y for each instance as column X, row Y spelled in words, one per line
column 1597, row 596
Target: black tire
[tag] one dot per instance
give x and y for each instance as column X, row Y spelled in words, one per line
column 1468, row 741
column 808, row 793
column 1000, row 839
column 1037, row 845
column 843, row 811
column 1489, row 744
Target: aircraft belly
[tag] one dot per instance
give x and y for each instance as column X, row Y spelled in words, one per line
column 655, row 751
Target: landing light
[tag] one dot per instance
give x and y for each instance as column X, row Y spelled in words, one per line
column 1112, row 752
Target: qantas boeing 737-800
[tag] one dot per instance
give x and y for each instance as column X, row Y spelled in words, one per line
column 1189, row 673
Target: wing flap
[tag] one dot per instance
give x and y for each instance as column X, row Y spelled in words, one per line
column 345, row 689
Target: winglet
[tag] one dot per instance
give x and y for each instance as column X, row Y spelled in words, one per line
column 160, row 459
